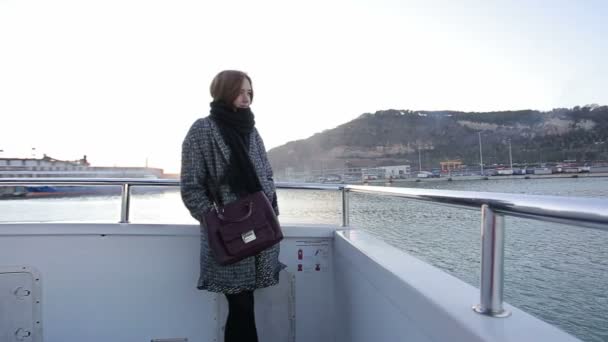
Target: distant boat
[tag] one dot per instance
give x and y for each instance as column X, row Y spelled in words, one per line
column 66, row 191
column 48, row 167
column 57, row 191
column 504, row 172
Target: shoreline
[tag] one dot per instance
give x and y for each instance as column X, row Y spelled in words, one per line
column 470, row 178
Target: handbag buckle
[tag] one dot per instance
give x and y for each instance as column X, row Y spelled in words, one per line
column 248, row 236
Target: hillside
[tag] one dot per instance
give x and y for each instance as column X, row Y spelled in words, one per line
column 393, row 137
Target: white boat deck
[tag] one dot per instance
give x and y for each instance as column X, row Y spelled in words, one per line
column 132, row 282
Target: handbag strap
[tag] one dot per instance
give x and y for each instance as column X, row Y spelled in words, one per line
column 212, row 190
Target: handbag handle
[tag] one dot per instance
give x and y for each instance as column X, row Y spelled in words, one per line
column 224, row 218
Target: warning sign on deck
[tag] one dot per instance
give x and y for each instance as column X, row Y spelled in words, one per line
column 312, row 256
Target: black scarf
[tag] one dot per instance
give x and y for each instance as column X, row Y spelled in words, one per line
column 236, row 126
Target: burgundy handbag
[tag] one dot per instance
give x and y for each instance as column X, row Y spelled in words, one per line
column 242, row 228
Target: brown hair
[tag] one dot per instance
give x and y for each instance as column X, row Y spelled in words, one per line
column 226, row 86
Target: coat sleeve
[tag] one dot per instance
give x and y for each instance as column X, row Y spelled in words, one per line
column 193, row 173
column 269, row 173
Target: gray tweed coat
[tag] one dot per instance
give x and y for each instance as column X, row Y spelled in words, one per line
column 205, row 158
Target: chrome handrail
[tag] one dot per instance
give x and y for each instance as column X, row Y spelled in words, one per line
column 580, row 211
column 584, row 212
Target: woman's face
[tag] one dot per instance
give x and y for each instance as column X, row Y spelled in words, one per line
column 244, row 98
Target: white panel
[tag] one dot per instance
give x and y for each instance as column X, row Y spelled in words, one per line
column 275, row 310
column 422, row 302
column 125, row 283
column 18, row 313
column 366, row 312
column 314, row 288
column 116, row 288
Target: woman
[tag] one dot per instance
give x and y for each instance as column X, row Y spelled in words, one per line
column 223, row 158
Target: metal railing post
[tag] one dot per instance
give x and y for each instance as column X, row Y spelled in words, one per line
column 126, row 201
column 345, row 208
column 492, row 263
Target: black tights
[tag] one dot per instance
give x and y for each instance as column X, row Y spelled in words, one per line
column 240, row 325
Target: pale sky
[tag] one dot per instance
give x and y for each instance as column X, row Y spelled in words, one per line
column 122, row 81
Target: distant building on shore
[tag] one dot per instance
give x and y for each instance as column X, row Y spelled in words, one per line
column 396, row 171
column 450, row 165
column 50, row 167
